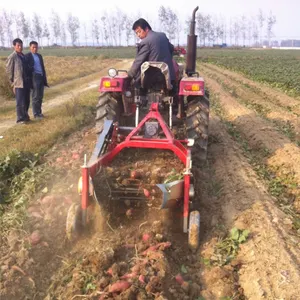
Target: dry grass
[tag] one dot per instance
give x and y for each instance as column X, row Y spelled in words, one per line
column 59, row 70
column 5, row 88
column 77, row 71
column 8, row 110
column 38, row 136
column 62, row 69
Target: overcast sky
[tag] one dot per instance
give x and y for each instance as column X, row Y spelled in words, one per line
column 287, row 12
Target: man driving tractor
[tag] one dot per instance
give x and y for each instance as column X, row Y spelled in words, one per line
column 154, row 46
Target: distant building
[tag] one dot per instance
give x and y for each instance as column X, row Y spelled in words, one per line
column 290, row 43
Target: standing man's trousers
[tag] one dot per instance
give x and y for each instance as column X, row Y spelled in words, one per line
column 37, row 94
column 22, row 103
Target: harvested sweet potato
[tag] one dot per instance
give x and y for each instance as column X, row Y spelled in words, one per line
column 109, row 272
column 161, row 246
column 146, row 193
column 179, row 279
column 129, row 275
column 146, row 237
column 142, row 279
column 119, row 286
column 136, row 174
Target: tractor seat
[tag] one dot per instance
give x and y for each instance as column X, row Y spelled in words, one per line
column 155, row 76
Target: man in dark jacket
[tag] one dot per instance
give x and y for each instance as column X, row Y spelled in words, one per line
column 39, row 78
column 154, row 46
column 19, row 77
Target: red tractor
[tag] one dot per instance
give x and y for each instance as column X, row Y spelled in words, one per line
column 180, row 51
column 152, row 114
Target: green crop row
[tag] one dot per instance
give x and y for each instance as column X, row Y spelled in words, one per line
column 278, row 68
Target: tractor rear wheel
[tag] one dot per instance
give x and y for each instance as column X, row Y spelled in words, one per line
column 197, row 119
column 109, row 107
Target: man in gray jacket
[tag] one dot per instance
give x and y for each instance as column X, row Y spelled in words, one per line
column 154, row 46
column 18, row 74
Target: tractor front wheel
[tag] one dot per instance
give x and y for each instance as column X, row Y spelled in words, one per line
column 109, row 107
column 197, row 119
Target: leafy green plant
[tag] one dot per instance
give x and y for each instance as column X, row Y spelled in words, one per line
column 227, row 248
column 88, row 282
column 173, row 175
column 15, row 162
column 11, row 166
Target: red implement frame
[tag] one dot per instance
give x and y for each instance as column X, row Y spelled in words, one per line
column 134, row 141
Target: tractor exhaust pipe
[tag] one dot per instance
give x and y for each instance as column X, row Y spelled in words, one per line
column 191, row 46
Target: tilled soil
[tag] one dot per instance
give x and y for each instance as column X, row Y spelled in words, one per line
column 138, row 251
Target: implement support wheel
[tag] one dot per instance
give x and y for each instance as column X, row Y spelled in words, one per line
column 194, row 230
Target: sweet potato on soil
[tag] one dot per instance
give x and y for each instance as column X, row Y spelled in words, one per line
column 146, row 193
column 146, row 237
column 136, row 174
column 119, row 286
column 35, row 238
column 129, row 275
column 179, row 279
column 109, row 272
column 160, row 246
column 59, row 159
column 75, row 156
column 142, row 279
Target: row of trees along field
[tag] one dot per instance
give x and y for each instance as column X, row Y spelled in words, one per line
column 211, row 29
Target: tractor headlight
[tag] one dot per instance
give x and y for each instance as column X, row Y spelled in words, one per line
column 128, row 94
column 112, row 72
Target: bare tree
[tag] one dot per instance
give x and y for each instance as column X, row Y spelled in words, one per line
column 113, row 30
column 167, row 18
column 200, row 27
column 128, row 29
column 95, row 30
column 37, row 27
column 261, row 19
column 105, row 29
column 24, row 26
column 271, row 21
column 208, row 30
column 46, row 33
column 249, row 31
column 187, row 25
column 121, row 24
column 219, row 30
column 243, row 28
column 85, row 34
column 230, row 31
column 17, row 23
column 2, row 34
column 7, row 22
column 178, row 27
column 30, row 30
column 73, row 25
column 63, row 34
column 224, row 29
column 55, row 25
column 236, row 32
column 255, row 33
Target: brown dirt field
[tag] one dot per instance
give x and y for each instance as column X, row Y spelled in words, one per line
column 113, row 260
column 259, row 133
column 270, row 260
